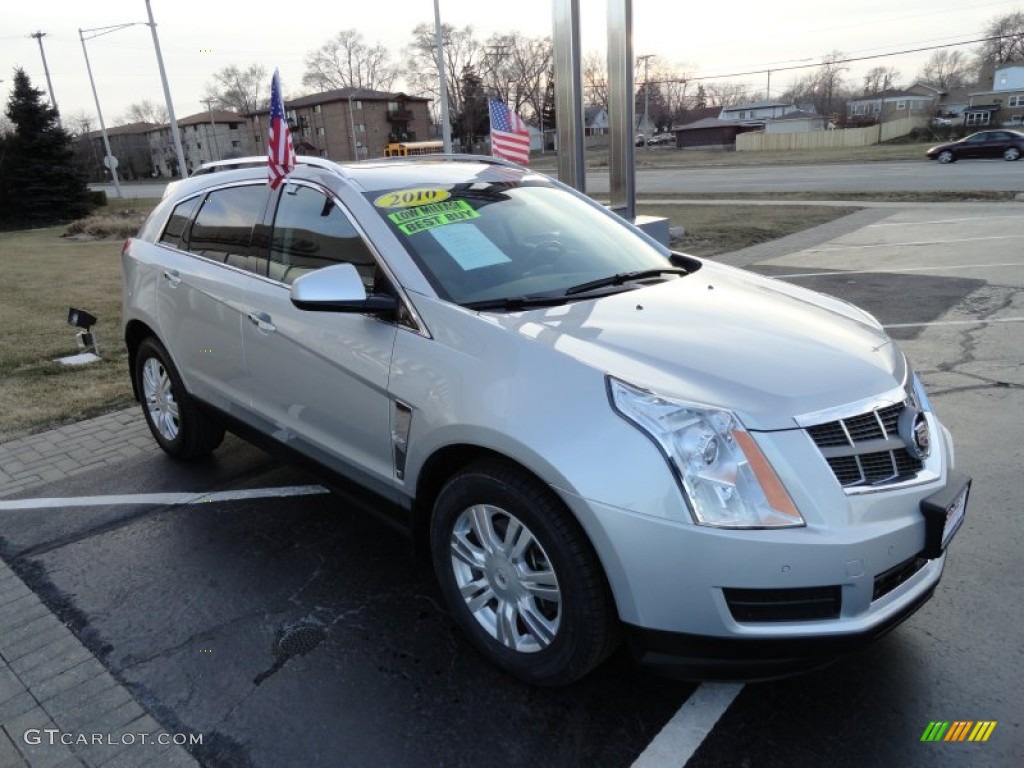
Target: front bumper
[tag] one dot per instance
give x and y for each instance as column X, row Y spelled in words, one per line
column 752, row 604
column 700, row 657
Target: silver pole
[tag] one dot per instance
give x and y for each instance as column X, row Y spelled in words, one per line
column 182, row 168
column 446, row 127
column 621, row 109
column 569, row 93
column 53, row 101
column 99, row 112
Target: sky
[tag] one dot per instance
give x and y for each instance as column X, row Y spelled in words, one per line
column 199, row 37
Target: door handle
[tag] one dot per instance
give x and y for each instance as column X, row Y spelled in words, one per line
column 173, row 276
column 262, row 321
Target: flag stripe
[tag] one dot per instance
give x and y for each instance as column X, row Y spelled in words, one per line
column 280, row 150
column 510, row 136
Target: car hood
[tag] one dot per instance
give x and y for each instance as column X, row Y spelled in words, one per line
column 768, row 350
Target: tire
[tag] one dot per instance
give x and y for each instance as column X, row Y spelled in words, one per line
column 945, row 156
column 1011, row 154
column 178, row 424
column 497, row 531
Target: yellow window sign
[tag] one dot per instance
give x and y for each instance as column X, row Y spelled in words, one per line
column 423, row 217
column 406, row 198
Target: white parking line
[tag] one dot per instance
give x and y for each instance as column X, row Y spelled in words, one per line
column 958, row 322
column 161, row 498
column 683, row 734
column 900, row 269
column 838, row 247
column 940, row 221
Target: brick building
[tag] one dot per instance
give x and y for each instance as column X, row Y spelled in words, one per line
column 322, row 124
column 128, row 143
column 205, row 136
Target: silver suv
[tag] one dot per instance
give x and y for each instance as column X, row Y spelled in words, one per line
column 594, row 437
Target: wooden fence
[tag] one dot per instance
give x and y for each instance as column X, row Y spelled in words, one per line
column 841, row 137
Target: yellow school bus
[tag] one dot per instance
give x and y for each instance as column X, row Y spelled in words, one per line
column 410, row 148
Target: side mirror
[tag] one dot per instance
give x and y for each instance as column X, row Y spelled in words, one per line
column 339, row 288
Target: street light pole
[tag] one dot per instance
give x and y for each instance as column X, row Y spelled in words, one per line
column 352, row 125
column 167, row 95
column 53, row 101
column 446, row 127
column 99, row 112
column 213, row 128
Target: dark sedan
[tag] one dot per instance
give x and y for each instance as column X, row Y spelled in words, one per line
column 1008, row 145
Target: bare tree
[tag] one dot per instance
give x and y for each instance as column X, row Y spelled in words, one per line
column 78, row 123
column 823, row 89
column 347, row 61
column 880, row 79
column 595, row 80
column 515, row 69
column 145, row 111
column 461, row 52
column 946, row 69
column 244, row 91
column 727, row 94
column 1006, row 41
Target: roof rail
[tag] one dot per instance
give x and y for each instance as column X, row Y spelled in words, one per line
column 452, row 156
column 256, row 161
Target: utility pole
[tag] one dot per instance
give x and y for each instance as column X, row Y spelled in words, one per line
column 39, row 39
column 647, row 92
column 182, row 168
column 446, row 127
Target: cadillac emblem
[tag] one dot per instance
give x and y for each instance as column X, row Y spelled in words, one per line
column 913, row 428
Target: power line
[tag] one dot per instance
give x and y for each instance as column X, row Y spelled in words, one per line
column 836, row 61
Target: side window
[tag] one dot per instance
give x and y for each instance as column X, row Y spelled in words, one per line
column 310, row 232
column 174, row 232
column 223, row 229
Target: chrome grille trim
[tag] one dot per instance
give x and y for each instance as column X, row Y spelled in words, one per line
column 863, row 448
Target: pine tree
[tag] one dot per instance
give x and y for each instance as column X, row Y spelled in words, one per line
column 39, row 181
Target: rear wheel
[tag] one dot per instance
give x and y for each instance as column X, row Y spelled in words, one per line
column 520, row 576
column 1011, row 153
column 945, row 156
column 179, row 425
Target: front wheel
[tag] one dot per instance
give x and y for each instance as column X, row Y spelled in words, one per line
column 519, row 575
column 1011, row 153
column 945, row 156
column 180, row 427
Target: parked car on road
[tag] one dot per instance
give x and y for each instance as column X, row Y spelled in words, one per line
column 1008, row 145
column 593, row 437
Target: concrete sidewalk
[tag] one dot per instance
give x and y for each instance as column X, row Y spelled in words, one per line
column 59, row 706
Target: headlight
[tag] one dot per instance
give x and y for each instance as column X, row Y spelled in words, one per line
column 726, row 479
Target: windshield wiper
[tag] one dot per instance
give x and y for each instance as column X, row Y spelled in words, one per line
column 513, row 303
column 624, row 277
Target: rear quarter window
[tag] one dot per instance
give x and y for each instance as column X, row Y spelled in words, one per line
column 174, row 232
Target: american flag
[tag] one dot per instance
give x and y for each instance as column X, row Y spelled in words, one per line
column 510, row 138
column 279, row 139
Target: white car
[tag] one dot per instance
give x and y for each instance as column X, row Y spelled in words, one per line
column 594, row 437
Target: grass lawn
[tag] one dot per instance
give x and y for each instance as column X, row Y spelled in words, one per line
column 44, row 274
column 715, row 229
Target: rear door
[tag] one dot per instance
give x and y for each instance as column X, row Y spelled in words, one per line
column 319, row 380
column 208, row 264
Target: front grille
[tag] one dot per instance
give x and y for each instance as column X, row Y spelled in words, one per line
column 801, row 604
column 866, row 449
column 888, row 581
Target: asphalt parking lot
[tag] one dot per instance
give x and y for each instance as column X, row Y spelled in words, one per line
column 293, row 630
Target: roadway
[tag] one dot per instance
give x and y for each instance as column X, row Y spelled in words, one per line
column 923, row 176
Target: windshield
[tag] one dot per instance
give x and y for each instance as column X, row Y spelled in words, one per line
column 489, row 241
